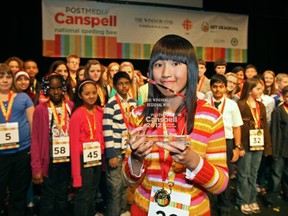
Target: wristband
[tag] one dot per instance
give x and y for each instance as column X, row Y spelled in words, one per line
column 239, row 147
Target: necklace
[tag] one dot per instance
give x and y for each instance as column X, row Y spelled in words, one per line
column 60, row 122
column 7, row 113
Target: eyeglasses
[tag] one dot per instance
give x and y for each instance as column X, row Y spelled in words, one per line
column 123, row 83
column 73, row 62
column 232, row 82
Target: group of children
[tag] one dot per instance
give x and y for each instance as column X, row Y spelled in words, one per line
column 67, row 142
column 254, row 125
column 72, row 131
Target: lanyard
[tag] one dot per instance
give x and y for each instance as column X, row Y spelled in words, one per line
column 285, row 106
column 33, row 86
column 165, row 158
column 125, row 113
column 91, row 130
column 60, row 122
column 101, row 95
column 201, row 81
column 255, row 113
column 222, row 108
column 7, row 113
column 74, row 82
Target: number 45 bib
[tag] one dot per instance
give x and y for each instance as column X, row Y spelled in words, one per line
column 91, row 154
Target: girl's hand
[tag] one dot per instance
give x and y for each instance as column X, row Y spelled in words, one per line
column 140, row 148
column 242, row 153
column 181, row 153
column 37, row 178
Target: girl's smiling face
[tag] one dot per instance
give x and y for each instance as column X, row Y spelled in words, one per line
column 89, row 94
column 171, row 74
column 22, row 83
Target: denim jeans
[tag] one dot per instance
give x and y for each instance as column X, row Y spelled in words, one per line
column 247, row 176
column 279, row 177
column 116, row 189
column 84, row 201
column 220, row 203
column 54, row 190
column 15, row 174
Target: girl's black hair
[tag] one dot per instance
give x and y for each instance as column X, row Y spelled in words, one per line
column 76, row 99
column 46, row 80
column 175, row 48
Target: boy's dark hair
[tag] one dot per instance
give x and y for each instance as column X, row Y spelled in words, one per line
column 202, row 62
column 285, row 90
column 238, row 68
column 119, row 75
column 260, row 77
column 250, row 66
column 218, row 78
column 219, row 62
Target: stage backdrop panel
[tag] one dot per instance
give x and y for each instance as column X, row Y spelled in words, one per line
column 119, row 31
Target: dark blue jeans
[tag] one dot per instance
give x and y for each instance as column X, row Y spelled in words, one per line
column 15, row 174
column 84, row 202
column 220, row 203
column 279, row 179
column 54, row 190
column 247, row 176
column 116, row 189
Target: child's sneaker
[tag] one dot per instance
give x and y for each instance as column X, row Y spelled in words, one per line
column 245, row 209
column 255, row 208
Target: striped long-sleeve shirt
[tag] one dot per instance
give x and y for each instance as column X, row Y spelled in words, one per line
column 114, row 125
column 208, row 141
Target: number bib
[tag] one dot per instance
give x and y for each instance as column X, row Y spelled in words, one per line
column 60, row 149
column 178, row 206
column 256, row 139
column 9, row 136
column 91, row 154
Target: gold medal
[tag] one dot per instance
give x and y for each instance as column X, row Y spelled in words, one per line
column 162, row 197
column 259, row 133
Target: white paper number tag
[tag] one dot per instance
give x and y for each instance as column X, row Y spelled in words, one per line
column 9, row 136
column 91, row 154
column 60, row 149
column 179, row 204
column 256, row 139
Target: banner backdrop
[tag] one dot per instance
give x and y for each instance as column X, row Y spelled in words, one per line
column 104, row 30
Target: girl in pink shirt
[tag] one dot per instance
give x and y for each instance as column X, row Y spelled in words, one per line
column 87, row 147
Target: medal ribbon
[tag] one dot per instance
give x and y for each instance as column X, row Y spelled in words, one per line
column 60, row 122
column 7, row 113
column 101, row 95
column 74, row 82
column 223, row 106
column 285, row 106
column 201, row 81
column 91, row 130
column 33, row 87
column 255, row 114
column 125, row 114
column 165, row 158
